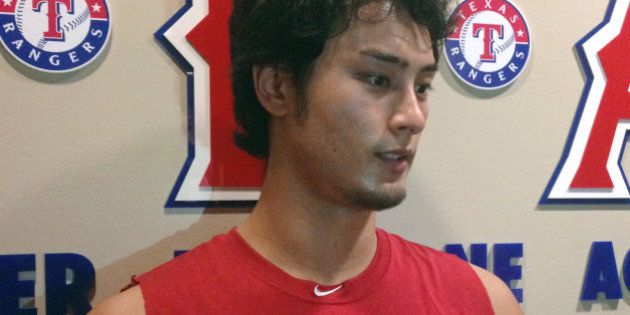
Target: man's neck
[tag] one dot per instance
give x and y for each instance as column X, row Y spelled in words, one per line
column 309, row 239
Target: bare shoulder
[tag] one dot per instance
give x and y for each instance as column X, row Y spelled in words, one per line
column 129, row 302
column 502, row 299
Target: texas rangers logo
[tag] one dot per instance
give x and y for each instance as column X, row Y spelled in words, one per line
column 216, row 173
column 590, row 168
column 490, row 44
column 54, row 35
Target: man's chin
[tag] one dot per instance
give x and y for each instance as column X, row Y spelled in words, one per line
column 379, row 200
column 390, row 201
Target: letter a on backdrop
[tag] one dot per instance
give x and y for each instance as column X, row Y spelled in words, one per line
column 590, row 168
column 216, row 173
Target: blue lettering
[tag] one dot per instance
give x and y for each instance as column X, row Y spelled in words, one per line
column 601, row 273
column 505, row 270
column 69, row 283
column 502, row 264
column 12, row 288
column 478, row 253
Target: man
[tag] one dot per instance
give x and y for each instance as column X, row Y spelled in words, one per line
column 334, row 95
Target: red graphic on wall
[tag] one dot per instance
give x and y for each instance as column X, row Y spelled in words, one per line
column 229, row 166
column 590, row 170
column 614, row 107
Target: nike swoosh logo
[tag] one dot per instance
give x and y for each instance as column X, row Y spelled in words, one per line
column 324, row 293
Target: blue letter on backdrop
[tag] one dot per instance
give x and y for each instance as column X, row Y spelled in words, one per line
column 74, row 293
column 503, row 268
column 11, row 288
column 601, row 273
column 478, row 253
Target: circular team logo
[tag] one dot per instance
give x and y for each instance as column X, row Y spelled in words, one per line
column 54, row 35
column 490, row 45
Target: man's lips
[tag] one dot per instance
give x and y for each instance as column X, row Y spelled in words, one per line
column 396, row 160
column 396, row 155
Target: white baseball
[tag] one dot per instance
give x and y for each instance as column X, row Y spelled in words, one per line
column 473, row 47
column 466, row 29
column 75, row 26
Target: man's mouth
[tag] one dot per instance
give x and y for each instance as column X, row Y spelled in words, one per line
column 396, row 160
column 392, row 156
column 395, row 155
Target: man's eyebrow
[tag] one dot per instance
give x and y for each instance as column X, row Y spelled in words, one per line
column 429, row 69
column 389, row 58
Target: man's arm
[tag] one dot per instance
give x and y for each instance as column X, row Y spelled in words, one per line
column 129, row 302
column 501, row 297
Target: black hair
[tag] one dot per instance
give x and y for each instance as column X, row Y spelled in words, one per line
column 290, row 34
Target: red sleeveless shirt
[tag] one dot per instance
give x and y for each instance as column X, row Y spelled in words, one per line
column 226, row 276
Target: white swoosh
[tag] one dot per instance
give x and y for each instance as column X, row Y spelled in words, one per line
column 324, row 293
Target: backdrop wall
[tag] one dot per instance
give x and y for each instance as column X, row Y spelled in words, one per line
column 88, row 159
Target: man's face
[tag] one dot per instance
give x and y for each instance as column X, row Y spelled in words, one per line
column 366, row 104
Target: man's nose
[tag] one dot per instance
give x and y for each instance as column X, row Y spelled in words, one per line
column 409, row 115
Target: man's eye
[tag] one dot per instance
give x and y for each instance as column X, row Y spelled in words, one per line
column 423, row 89
column 378, row 80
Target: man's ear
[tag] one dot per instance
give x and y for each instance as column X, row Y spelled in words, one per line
column 274, row 89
